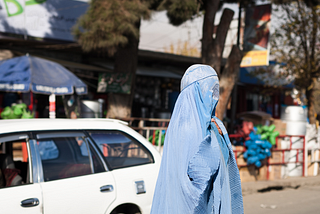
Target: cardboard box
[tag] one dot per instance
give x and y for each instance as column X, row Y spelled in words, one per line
column 281, row 126
column 313, row 168
column 252, row 173
column 240, row 160
column 275, row 170
column 238, row 153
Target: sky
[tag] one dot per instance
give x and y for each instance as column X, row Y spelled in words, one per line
column 157, row 33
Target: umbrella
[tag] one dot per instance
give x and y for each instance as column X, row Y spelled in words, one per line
column 41, row 76
column 25, row 73
column 257, row 117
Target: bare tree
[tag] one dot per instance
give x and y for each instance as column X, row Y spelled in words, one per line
column 295, row 44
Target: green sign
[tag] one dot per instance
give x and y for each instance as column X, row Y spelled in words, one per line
column 115, row 83
column 18, row 7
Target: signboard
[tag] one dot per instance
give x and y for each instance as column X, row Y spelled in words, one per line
column 51, row 19
column 115, row 83
column 255, row 58
column 256, row 36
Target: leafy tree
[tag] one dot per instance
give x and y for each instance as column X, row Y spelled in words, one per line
column 112, row 26
column 296, row 43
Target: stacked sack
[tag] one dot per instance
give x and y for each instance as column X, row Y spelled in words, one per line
column 259, row 144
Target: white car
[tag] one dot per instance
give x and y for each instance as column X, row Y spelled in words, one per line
column 75, row 166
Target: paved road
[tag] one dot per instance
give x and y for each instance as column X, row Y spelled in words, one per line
column 303, row 200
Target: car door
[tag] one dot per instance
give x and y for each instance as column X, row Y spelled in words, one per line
column 132, row 164
column 75, row 178
column 20, row 190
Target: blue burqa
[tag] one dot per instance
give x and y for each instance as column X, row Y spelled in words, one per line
column 198, row 172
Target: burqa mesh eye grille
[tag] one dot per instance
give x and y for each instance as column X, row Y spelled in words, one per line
column 215, row 94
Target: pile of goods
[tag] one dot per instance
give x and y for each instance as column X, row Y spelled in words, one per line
column 258, row 142
column 16, row 111
column 154, row 139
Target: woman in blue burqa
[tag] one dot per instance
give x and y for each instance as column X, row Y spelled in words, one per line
column 198, row 172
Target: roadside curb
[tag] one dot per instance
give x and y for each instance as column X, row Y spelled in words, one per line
column 290, row 182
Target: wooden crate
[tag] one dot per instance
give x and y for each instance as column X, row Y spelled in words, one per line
column 311, row 167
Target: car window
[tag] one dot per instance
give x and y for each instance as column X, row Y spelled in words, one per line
column 14, row 163
column 48, row 150
column 121, row 150
column 66, row 157
column 97, row 163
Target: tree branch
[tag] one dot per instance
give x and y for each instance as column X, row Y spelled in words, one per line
column 314, row 33
column 303, row 35
column 228, row 79
column 208, row 27
column 216, row 50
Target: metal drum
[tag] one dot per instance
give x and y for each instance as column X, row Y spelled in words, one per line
column 91, row 108
column 294, row 113
column 296, row 119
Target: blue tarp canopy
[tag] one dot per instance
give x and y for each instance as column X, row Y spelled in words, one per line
column 268, row 78
column 25, row 73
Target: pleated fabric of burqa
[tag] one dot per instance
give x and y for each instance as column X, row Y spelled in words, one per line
column 198, row 172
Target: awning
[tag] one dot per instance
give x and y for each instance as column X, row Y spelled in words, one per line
column 76, row 65
column 157, row 71
column 268, row 76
